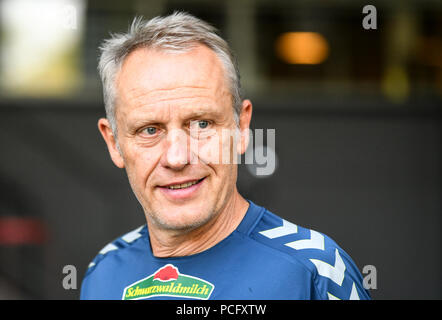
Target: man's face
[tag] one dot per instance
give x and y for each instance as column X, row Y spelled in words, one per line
column 171, row 111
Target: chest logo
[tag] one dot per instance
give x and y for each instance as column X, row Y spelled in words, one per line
column 169, row 282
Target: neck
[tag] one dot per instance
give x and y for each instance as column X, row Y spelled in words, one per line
column 166, row 243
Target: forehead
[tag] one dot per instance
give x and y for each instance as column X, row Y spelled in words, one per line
column 152, row 74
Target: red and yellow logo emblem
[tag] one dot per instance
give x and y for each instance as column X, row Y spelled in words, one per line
column 169, row 282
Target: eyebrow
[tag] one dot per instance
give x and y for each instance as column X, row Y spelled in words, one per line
column 203, row 113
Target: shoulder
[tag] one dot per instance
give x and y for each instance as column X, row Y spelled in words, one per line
column 334, row 273
column 118, row 249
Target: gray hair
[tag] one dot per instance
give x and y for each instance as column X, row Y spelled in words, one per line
column 178, row 32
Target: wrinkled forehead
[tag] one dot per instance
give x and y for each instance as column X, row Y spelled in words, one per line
column 154, row 71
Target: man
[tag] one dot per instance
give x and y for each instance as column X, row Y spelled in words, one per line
column 171, row 88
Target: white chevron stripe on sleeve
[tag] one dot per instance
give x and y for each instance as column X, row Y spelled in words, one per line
column 332, row 297
column 286, row 229
column 107, row 248
column 133, row 235
column 334, row 273
column 316, row 241
column 354, row 293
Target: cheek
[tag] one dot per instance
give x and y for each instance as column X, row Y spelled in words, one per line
column 208, row 150
column 218, row 153
column 217, row 149
column 140, row 162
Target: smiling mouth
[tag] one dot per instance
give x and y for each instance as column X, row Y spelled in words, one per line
column 183, row 185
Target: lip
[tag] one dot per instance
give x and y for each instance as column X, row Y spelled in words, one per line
column 178, row 182
column 181, row 194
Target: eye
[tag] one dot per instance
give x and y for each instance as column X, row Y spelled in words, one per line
column 200, row 128
column 150, row 130
column 202, row 124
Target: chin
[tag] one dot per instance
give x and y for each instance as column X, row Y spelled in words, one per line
column 181, row 218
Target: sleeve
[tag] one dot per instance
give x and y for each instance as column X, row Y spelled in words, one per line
column 92, row 286
column 96, row 284
column 338, row 278
column 84, row 292
column 87, row 286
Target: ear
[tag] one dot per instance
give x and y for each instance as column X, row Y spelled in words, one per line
column 108, row 136
column 244, row 125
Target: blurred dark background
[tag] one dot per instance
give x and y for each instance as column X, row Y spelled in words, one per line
column 357, row 115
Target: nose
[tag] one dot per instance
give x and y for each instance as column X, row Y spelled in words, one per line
column 176, row 155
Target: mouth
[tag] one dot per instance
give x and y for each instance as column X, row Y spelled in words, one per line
column 183, row 185
column 182, row 190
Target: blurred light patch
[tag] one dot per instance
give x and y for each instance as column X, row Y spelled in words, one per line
column 40, row 49
column 395, row 84
column 21, row 231
column 302, row 48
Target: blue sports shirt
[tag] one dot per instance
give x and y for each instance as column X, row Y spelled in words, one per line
column 265, row 258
